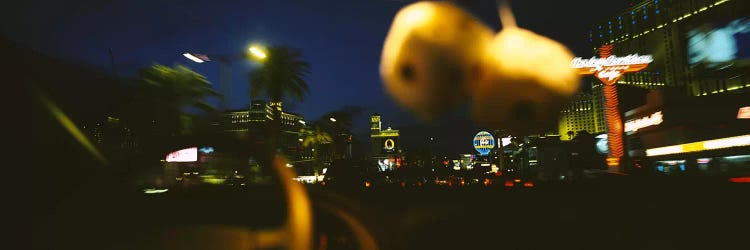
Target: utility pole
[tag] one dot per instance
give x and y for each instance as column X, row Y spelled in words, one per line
column 112, row 63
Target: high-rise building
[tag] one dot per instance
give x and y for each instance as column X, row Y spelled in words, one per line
column 700, row 46
column 581, row 114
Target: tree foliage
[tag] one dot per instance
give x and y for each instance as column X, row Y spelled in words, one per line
column 282, row 76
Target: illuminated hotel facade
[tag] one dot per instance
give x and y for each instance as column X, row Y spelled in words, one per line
column 385, row 149
column 667, row 30
column 698, row 77
column 253, row 123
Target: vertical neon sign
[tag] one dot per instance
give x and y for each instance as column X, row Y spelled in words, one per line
column 609, row 68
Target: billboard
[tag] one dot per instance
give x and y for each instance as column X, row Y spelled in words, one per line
column 484, row 142
column 183, row 155
column 720, row 44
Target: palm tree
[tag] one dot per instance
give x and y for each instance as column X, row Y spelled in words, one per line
column 344, row 118
column 165, row 94
column 314, row 138
column 340, row 128
column 281, row 77
column 159, row 109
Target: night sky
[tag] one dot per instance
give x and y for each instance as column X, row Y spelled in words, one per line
column 342, row 46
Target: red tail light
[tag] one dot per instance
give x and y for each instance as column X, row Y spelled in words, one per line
column 403, row 184
column 323, row 183
column 419, row 183
column 528, row 184
column 745, row 179
column 499, row 173
column 509, row 184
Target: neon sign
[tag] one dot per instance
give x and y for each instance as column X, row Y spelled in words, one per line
column 728, row 142
column 609, row 68
column 184, row 155
column 744, row 113
column 389, row 144
column 484, row 142
column 651, row 120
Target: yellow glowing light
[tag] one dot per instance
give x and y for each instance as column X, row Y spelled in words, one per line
column 389, row 144
column 419, row 14
column 71, row 127
column 736, row 141
column 613, row 162
column 257, row 52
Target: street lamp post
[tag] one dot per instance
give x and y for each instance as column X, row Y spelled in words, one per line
column 225, row 69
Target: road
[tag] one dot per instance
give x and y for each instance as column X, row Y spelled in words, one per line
column 631, row 213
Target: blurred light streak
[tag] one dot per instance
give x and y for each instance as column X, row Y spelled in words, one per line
column 71, row 127
column 193, row 58
column 299, row 219
column 364, row 238
column 155, row 191
column 745, row 179
column 728, row 142
column 258, row 53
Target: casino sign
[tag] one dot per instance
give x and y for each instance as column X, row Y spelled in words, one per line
column 484, row 142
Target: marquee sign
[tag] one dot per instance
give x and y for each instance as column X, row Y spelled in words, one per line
column 651, row 120
column 484, row 142
column 184, row 155
column 611, row 68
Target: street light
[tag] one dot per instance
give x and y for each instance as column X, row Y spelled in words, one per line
column 225, row 70
column 333, row 119
column 193, row 58
column 257, row 52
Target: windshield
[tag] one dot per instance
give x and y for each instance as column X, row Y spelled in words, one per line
column 380, row 124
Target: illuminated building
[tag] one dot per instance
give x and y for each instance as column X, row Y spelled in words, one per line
column 583, row 113
column 254, row 123
column 673, row 133
column 384, row 144
column 691, row 45
column 671, row 31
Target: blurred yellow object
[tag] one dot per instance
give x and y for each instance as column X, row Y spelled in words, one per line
column 529, row 78
column 71, row 127
column 432, row 56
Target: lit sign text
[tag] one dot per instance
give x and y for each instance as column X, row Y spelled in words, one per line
column 651, row 120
